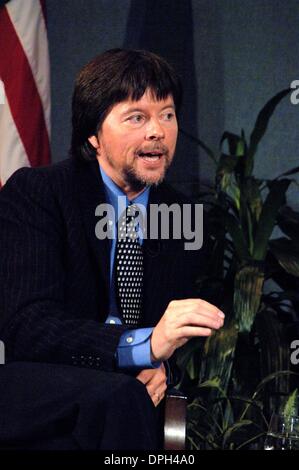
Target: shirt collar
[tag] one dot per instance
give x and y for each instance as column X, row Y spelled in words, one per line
column 114, row 192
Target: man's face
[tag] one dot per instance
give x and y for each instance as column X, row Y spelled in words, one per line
column 136, row 142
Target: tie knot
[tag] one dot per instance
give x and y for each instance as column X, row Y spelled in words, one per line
column 131, row 210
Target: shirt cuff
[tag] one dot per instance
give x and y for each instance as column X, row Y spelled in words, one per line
column 113, row 320
column 134, row 350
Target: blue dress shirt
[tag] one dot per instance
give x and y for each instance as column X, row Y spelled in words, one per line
column 134, row 349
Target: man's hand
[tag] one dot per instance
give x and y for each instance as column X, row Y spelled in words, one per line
column 182, row 320
column 155, row 382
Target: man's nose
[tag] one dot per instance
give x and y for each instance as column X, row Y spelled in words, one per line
column 154, row 130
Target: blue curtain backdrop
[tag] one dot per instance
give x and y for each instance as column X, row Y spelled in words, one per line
column 157, row 26
column 232, row 55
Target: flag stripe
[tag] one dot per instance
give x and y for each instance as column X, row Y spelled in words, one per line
column 44, row 10
column 11, row 145
column 28, row 21
column 20, row 88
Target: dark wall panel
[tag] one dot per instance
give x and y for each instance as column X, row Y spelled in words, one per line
column 232, row 55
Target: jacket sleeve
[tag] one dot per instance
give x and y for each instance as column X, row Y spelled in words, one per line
column 34, row 323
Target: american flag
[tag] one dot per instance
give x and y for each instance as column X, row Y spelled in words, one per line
column 24, row 86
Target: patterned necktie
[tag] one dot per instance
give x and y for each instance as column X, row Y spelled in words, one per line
column 129, row 268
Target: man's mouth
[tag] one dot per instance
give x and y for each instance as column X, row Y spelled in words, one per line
column 150, row 156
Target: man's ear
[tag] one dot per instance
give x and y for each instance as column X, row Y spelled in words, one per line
column 94, row 141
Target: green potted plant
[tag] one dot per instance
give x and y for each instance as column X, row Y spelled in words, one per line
column 245, row 260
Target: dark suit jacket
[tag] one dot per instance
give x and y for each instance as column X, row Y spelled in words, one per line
column 54, row 272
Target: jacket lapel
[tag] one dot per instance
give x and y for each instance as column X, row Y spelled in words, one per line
column 158, row 263
column 91, row 193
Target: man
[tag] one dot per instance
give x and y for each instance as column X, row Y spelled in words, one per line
column 88, row 321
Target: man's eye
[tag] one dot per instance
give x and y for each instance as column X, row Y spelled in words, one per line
column 136, row 119
column 168, row 116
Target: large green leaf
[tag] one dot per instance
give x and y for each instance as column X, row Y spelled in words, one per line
column 234, row 161
column 269, row 378
column 274, row 350
column 291, row 406
column 287, row 254
column 235, row 231
column 264, row 382
column 213, row 383
column 229, row 186
column 274, row 200
column 293, row 171
column 188, row 359
column 227, row 163
column 236, row 144
column 251, row 188
column 260, row 127
column 218, row 355
column 247, row 295
column 288, row 222
column 250, row 208
column 235, row 427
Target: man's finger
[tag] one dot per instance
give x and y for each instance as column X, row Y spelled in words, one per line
column 192, row 331
column 197, row 303
column 202, row 319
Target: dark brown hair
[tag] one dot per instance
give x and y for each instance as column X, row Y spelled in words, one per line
column 112, row 77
